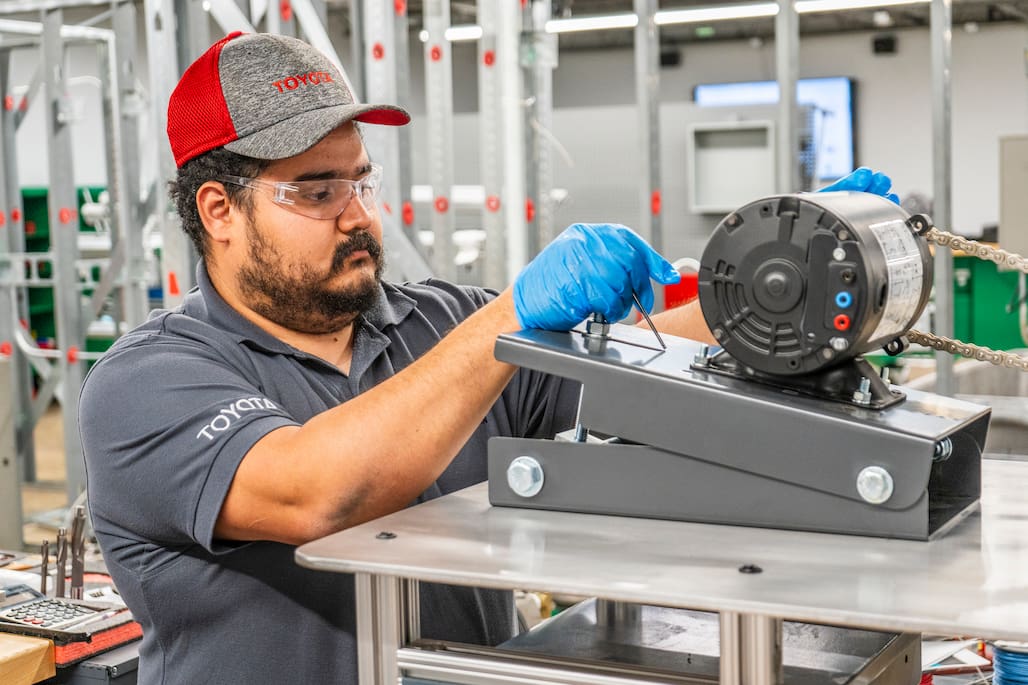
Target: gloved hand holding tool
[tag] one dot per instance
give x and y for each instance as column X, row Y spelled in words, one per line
column 588, row 269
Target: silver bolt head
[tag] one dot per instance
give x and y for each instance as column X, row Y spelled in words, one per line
column 875, row 485
column 702, row 357
column 839, row 344
column 838, row 254
column 598, row 328
column 525, row 477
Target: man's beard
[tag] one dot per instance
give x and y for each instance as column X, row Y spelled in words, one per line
column 306, row 303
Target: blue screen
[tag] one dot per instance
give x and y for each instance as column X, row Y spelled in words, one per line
column 832, row 100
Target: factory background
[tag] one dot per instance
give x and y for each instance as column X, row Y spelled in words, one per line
column 583, row 118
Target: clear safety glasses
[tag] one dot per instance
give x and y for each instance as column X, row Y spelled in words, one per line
column 321, row 199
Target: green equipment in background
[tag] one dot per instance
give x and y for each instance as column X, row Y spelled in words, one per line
column 985, row 306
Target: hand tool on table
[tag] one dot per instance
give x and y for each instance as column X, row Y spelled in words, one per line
column 62, row 561
column 78, row 551
column 44, row 565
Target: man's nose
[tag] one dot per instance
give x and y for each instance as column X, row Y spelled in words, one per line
column 355, row 215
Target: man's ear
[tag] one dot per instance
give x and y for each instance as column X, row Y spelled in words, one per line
column 218, row 214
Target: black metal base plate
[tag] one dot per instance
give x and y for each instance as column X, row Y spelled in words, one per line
column 836, row 384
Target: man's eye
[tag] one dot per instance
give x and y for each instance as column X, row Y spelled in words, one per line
column 318, row 193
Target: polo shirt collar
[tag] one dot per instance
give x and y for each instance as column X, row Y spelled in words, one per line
column 391, row 307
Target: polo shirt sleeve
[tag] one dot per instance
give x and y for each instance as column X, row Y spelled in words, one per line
column 164, row 425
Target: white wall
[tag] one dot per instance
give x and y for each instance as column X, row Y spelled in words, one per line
column 893, row 118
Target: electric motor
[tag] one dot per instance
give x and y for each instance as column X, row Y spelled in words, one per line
column 792, row 284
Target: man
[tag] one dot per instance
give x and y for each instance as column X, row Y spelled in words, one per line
column 293, row 394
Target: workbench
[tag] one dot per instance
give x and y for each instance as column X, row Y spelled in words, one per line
column 970, row 582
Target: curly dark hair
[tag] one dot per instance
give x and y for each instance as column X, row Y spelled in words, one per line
column 211, row 166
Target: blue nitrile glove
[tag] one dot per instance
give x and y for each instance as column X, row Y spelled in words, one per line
column 866, row 181
column 587, row 269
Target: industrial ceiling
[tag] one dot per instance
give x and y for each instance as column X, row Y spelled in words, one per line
column 968, row 14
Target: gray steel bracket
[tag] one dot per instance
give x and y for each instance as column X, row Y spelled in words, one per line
column 699, row 446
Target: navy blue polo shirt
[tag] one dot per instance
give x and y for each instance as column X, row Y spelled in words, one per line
column 165, row 419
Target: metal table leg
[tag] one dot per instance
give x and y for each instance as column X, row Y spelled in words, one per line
column 367, row 671
column 388, row 636
column 761, row 650
column 751, row 650
column 730, row 661
column 388, row 618
column 620, row 614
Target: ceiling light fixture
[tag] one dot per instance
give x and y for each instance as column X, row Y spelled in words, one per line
column 463, row 32
column 696, row 15
column 881, row 18
column 593, row 23
column 808, row 6
column 692, row 15
column 456, row 33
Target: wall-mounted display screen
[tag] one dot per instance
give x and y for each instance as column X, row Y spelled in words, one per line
column 832, row 100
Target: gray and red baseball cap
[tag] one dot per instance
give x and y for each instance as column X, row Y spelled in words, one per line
column 266, row 96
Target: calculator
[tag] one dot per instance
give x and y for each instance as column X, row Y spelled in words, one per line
column 25, row 606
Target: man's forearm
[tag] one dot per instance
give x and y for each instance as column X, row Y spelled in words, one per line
column 374, row 454
column 685, row 321
column 426, row 413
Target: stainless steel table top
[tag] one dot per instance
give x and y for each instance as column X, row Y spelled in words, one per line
column 973, row 581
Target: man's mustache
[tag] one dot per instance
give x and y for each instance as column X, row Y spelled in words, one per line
column 361, row 240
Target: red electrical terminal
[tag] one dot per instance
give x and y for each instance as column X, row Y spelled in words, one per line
column 841, row 322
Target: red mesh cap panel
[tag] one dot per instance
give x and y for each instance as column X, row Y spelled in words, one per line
column 198, row 118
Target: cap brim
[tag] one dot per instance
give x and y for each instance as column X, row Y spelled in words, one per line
column 302, row 132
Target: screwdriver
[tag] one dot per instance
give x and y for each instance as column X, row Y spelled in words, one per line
column 44, row 568
column 649, row 322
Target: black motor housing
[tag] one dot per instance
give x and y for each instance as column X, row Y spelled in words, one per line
column 792, row 284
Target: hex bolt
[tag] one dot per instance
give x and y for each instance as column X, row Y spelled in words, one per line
column 525, row 476
column 874, row 484
column 943, row 450
column 701, row 358
column 863, row 394
column 839, row 344
column 776, row 283
column 597, row 326
column 838, row 254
